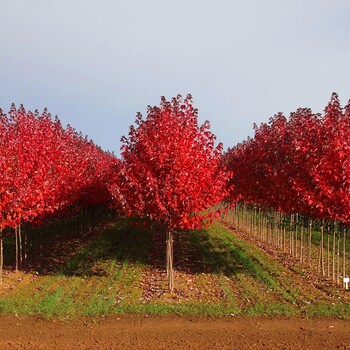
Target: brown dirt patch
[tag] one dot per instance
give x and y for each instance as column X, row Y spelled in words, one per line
column 135, row 332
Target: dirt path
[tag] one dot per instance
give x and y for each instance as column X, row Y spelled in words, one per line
column 136, row 332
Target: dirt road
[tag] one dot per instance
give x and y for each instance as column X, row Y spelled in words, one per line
column 136, row 332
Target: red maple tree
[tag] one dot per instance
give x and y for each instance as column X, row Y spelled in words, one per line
column 171, row 169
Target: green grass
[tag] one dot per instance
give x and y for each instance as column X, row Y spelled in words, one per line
column 231, row 277
column 232, row 256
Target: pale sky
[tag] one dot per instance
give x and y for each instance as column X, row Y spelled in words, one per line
column 96, row 63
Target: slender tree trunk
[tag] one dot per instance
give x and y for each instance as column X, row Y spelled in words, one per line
column 250, row 217
column 291, row 244
column 275, row 229
column 344, row 251
column 244, row 221
column 302, row 242
column 280, row 227
column 16, row 237
column 338, row 257
column 309, row 244
column 333, row 257
column 233, row 217
column 296, row 236
column 1, row 255
column 322, row 250
column 20, row 247
column 30, row 245
column 25, row 248
column 328, row 250
column 169, row 259
column 284, row 236
column 260, row 226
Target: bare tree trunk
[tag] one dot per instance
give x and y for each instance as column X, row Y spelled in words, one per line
column 26, row 248
column 338, row 257
column 296, row 236
column 333, row 257
column 1, row 255
column 321, row 256
column 284, row 236
column 251, row 217
column 309, row 244
column 233, row 214
column 302, row 242
column 328, row 255
column 344, row 251
column 169, row 259
column 16, row 237
column 20, row 247
column 275, row 228
column 291, row 244
column 280, row 231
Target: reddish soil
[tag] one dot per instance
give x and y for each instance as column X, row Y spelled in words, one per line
column 136, row 332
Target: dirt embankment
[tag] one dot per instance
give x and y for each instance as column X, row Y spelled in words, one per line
column 136, row 332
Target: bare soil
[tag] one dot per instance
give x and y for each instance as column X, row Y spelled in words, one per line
column 142, row 332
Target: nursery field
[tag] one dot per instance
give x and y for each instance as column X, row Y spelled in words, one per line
column 109, row 290
column 120, row 269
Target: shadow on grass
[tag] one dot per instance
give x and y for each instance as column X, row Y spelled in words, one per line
column 201, row 251
column 135, row 241
column 84, row 254
column 128, row 240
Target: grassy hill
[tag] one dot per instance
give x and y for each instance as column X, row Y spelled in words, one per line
column 120, row 270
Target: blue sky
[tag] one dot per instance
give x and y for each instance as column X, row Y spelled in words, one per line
column 96, row 63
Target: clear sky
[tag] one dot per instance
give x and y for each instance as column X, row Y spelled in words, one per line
column 96, row 63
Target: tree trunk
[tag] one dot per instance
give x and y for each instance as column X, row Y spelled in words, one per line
column 338, row 257
column 309, row 243
column 321, row 249
column 328, row 252
column 344, row 251
column 334, row 252
column 26, row 248
column 19, row 231
column 291, row 244
column 260, row 225
column 169, row 259
column 1, row 256
column 16, row 236
column 296, row 236
column 302, row 242
column 284, row 237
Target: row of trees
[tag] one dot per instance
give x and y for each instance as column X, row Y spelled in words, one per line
column 322, row 246
column 293, row 179
column 170, row 171
column 297, row 165
column 46, row 170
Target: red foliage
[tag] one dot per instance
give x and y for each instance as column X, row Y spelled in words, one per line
column 45, row 168
column 297, row 165
column 171, row 169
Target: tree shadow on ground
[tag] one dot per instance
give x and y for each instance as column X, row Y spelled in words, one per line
column 138, row 242
column 197, row 251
